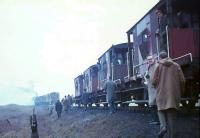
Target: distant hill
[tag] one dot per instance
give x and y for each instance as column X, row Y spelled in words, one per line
column 16, row 95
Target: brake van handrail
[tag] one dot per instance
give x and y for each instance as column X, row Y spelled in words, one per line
column 190, row 54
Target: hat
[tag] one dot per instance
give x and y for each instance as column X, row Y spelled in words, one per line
column 157, row 11
column 163, row 54
column 149, row 57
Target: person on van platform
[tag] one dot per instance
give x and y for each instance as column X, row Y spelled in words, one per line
column 110, row 87
column 152, row 64
column 162, row 23
column 58, row 108
column 169, row 81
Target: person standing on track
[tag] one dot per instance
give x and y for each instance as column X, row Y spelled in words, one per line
column 169, row 81
column 110, row 87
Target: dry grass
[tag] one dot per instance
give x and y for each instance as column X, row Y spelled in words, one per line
column 14, row 123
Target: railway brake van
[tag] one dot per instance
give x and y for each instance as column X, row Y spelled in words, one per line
column 112, row 63
column 90, row 83
column 182, row 43
column 176, row 32
column 78, row 81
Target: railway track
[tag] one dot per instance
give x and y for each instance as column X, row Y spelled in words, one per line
column 142, row 109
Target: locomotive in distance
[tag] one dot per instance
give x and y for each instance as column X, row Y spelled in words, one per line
column 47, row 99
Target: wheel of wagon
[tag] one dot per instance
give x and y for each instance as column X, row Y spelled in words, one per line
column 184, row 104
column 187, row 106
column 191, row 104
column 90, row 105
column 105, row 105
column 142, row 105
column 124, row 105
column 97, row 105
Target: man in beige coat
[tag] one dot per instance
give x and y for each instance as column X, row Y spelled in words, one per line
column 152, row 65
column 169, row 81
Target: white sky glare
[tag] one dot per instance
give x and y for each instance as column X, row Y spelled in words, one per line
column 45, row 44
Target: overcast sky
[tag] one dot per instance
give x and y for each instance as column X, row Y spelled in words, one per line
column 45, row 44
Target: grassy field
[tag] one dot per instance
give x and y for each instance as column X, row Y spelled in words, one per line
column 14, row 123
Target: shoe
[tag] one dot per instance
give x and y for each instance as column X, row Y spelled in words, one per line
column 150, row 121
column 154, row 123
column 162, row 132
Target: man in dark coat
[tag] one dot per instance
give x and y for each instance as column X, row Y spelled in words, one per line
column 58, row 108
column 84, row 99
column 110, row 87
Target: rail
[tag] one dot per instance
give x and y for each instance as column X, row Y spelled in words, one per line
column 172, row 59
column 133, row 89
column 157, row 57
column 136, row 101
column 190, row 54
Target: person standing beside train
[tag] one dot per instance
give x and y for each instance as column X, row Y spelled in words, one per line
column 84, row 99
column 65, row 104
column 69, row 102
column 152, row 64
column 58, row 108
column 169, row 81
column 110, row 87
